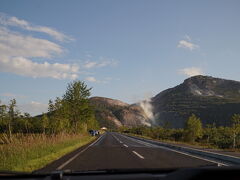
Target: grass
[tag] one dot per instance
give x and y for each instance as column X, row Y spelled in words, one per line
column 33, row 151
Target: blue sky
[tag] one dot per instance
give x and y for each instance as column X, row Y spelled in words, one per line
column 127, row 50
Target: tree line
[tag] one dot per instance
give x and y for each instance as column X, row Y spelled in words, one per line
column 70, row 114
column 194, row 132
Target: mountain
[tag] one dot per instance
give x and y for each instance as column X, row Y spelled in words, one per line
column 114, row 113
column 214, row 100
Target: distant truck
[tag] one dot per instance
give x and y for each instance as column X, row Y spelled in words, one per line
column 94, row 132
column 104, row 128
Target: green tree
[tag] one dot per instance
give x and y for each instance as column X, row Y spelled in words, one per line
column 51, row 112
column 3, row 116
column 11, row 112
column 27, row 123
column 235, row 128
column 50, row 106
column 211, row 134
column 223, row 137
column 60, row 116
column 77, row 103
column 44, row 122
column 193, row 128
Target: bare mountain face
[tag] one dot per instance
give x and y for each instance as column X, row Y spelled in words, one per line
column 214, row 100
column 114, row 113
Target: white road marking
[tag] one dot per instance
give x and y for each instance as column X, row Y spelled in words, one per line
column 144, row 143
column 74, row 157
column 159, row 146
column 139, row 141
column 125, row 145
column 140, row 156
column 117, row 139
column 197, row 157
column 214, row 153
column 99, row 140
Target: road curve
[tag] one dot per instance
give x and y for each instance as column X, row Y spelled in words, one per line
column 116, row 151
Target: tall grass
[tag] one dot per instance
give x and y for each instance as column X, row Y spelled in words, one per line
column 33, row 151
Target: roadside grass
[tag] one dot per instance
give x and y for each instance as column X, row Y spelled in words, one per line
column 27, row 153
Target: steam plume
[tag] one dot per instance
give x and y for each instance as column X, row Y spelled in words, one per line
column 148, row 109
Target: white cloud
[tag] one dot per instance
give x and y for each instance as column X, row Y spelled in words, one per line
column 94, row 80
column 192, row 71
column 16, row 51
column 20, row 53
column 26, row 67
column 187, row 37
column 187, row 45
column 15, row 44
column 103, row 62
column 11, row 95
column 33, row 107
column 91, row 79
column 14, row 21
column 90, row 64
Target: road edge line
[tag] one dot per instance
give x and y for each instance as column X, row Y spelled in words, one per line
column 173, row 150
column 76, row 155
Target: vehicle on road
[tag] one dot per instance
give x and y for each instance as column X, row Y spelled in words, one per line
column 94, row 132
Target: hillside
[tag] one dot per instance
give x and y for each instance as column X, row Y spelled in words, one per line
column 214, row 100
column 114, row 113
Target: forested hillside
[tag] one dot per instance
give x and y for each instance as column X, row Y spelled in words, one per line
column 214, row 100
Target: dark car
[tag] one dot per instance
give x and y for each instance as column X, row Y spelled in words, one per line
column 94, row 132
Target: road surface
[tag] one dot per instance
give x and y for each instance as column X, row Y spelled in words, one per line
column 117, row 151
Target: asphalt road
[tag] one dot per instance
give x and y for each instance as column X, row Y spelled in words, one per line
column 117, row 151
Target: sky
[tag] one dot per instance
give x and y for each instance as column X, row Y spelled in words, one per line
column 124, row 49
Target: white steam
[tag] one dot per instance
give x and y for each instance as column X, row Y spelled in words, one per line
column 148, row 109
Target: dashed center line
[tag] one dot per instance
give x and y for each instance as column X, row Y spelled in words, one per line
column 140, row 156
column 125, row 145
column 169, row 149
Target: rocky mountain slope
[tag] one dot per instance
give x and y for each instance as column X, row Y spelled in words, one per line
column 214, row 100
column 114, row 113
